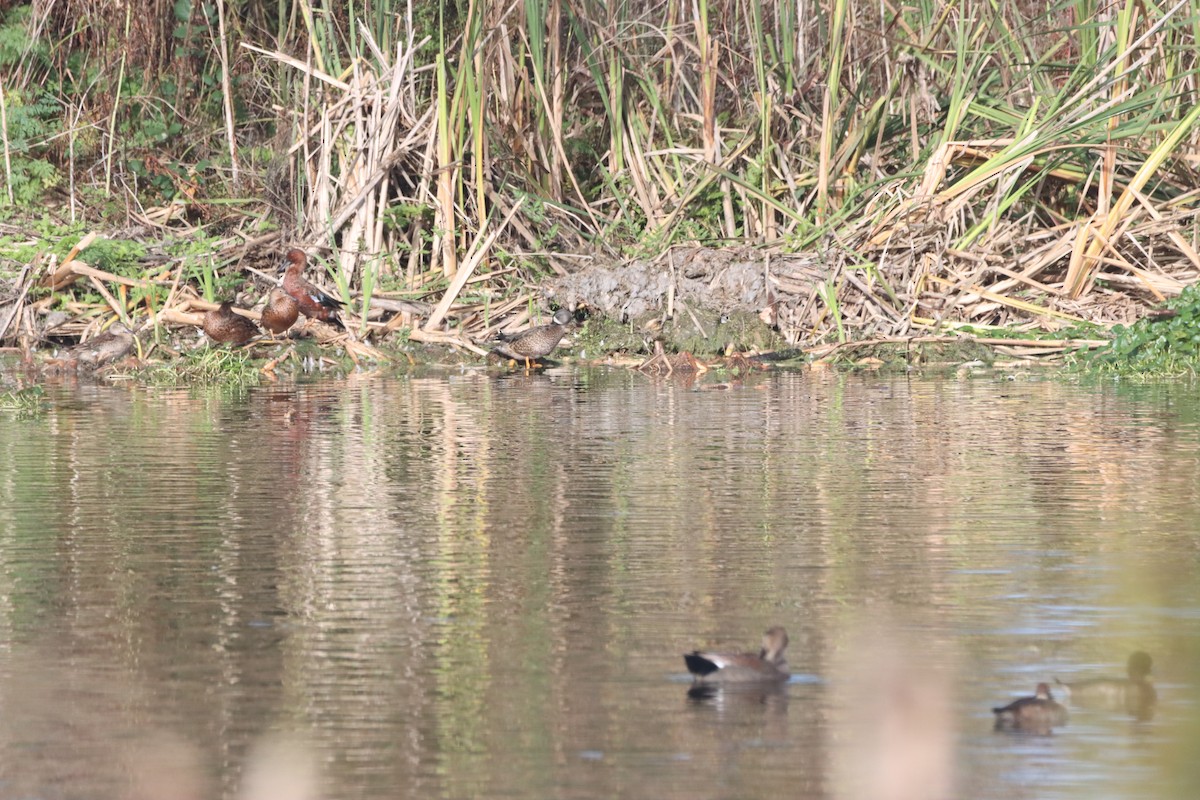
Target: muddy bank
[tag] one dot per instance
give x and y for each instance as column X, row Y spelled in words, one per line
column 708, row 303
column 699, row 299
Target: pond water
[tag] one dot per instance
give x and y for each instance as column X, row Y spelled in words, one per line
column 472, row 585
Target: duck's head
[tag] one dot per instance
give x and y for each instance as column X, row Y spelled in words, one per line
column 775, row 641
column 294, row 258
column 1139, row 665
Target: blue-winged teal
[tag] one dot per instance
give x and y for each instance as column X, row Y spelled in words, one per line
column 280, row 312
column 1134, row 695
column 312, row 300
column 223, row 325
column 533, row 343
column 767, row 664
column 1037, row 714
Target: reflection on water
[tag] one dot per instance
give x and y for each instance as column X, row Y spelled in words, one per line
column 483, row 586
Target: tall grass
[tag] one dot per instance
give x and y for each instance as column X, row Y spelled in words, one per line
column 631, row 126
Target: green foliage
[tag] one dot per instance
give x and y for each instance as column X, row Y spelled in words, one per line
column 33, row 115
column 1164, row 346
column 118, row 256
column 27, row 402
column 32, row 122
column 206, row 366
column 151, row 109
column 200, row 269
column 15, row 41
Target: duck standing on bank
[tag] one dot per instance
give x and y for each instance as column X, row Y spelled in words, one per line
column 280, row 312
column 1037, row 714
column 768, row 665
column 311, row 300
column 223, row 325
column 1135, row 695
column 533, row 343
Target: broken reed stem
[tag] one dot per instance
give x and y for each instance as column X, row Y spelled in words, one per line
column 478, row 251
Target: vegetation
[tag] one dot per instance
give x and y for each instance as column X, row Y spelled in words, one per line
column 26, row 402
column 1020, row 165
column 208, row 366
column 1167, row 343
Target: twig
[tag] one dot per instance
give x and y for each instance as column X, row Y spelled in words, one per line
column 24, row 284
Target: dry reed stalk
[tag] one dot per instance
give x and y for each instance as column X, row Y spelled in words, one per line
column 709, row 54
column 117, row 307
column 445, row 338
column 1182, row 244
column 479, row 249
column 175, row 316
column 444, row 221
column 22, row 286
column 8, row 173
column 227, row 93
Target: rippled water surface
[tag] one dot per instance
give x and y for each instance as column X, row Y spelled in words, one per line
column 480, row 586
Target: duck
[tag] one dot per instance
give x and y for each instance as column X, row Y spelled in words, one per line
column 280, row 312
column 311, row 300
column 223, row 325
column 1134, row 695
column 765, row 666
column 533, row 343
column 1037, row 714
column 99, row 350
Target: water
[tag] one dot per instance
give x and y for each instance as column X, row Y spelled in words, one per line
column 480, row 586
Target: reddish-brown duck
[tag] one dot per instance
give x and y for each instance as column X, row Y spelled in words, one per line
column 223, row 325
column 312, row 300
column 280, row 312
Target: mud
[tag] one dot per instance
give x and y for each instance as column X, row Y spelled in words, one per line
column 700, row 300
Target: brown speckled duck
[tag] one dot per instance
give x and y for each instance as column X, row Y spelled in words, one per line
column 312, row 300
column 768, row 664
column 99, row 350
column 223, row 325
column 280, row 312
column 1135, row 695
column 1037, row 714
column 533, row 343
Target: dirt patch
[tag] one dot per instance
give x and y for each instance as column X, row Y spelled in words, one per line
column 699, row 300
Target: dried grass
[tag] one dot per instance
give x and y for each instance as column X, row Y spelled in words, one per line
column 942, row 165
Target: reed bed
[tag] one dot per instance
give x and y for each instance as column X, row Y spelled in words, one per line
column 887, row 171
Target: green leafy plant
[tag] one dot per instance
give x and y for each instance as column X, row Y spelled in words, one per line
column 206, row 366
column 1165, row 343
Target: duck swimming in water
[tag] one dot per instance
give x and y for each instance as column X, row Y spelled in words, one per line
column 1037, row 714
column 1135, row 695
column 767, row 665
